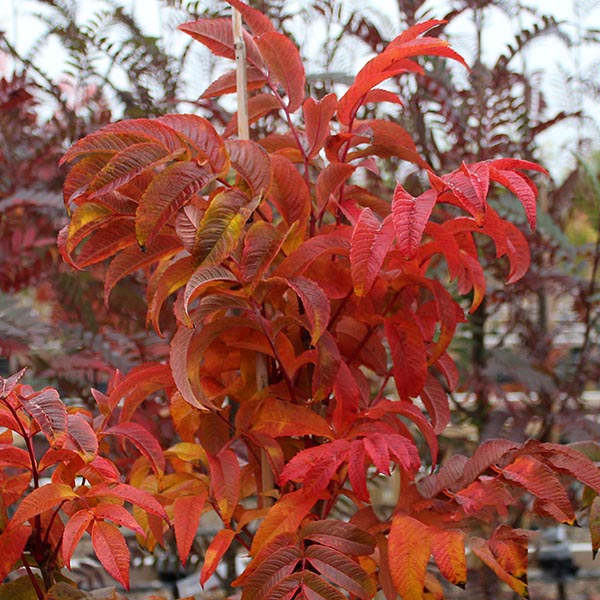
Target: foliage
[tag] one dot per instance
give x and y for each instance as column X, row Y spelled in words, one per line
column 310, row 317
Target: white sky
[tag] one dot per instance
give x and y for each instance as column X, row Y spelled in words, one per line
column 546, row 54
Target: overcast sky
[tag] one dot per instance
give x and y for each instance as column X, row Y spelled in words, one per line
column 547, row 54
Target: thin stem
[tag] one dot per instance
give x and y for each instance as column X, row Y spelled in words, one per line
column 34, row 582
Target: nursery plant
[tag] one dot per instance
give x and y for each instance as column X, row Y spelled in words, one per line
column 312, row 353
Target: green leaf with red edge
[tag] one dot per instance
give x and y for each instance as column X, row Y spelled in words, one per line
column 75, row 527
column 317, row 122
column 221, row 227
column 347, row 396
column 329, row 182
column 214, row 553
column 371, row 240
column 128, row 493
column 50, row 414
column 12, row 544
column 289, row 192
column 40, row 500
column 285, row 65
column 285, row 516
column 261, row 245
column 170, row 190
column 259, row 106
column 435, row 399
column 81, row 438
column 133, row 259
column 252, row 163
column 118, row 515
column 409, row 355
column 410, row 216
column 315, row 302
column 539, row 480
column 225, row 482
column 187, row 511
column 120, row 234
column 201, row 137
column 341, row 570
column 339, row 535
column 482, row 550
column 217, row 35
column 112, row 551
column 143, row 440
column 448, row 548
column 227, row 83
column 409, row 545
column 140, row 382
column 258, row 22
column 279, row 418
column 8, row 385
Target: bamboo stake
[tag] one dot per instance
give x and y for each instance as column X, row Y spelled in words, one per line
column 267, row 482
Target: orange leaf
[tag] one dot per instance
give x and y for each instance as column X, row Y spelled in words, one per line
column 285, row 516
column 42, row 499
column 214, row 553
column 111, row 549
column 317, row 117
column 75, row 527
column 278, row 418
column 448, row 547
column 187, row 511
column 225, row 482
column 409, row 546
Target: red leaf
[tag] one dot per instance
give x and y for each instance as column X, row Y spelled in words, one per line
column 289, row 192
column 410, row 216
column 409, row 546
column 315, row 302
column 347, row 396
column 225, row 482
column 261, row 245
column 50, row 414
column 203, row 277
column 317, row 120
column 128, row 493
column 187, row 511
column 258, row 22
column 214, row 553
column 278, row 418
column 171, row 189
column 339, row 535
column 81, row 438
column 357, row 470
column 409, row 355
column 8, row 385
column 259, row 106
column 12, row 544
column 284, row 62
column 435, row 399
column 118, row 515
column 329, row 181
column 227, row 83
column 143, row 440
column 217, row 35
column 522, row 187
column 111, row 549
column 75, row 527
column 371, row 240
column 538, row 479
column 342, row 570
column 252, row 162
